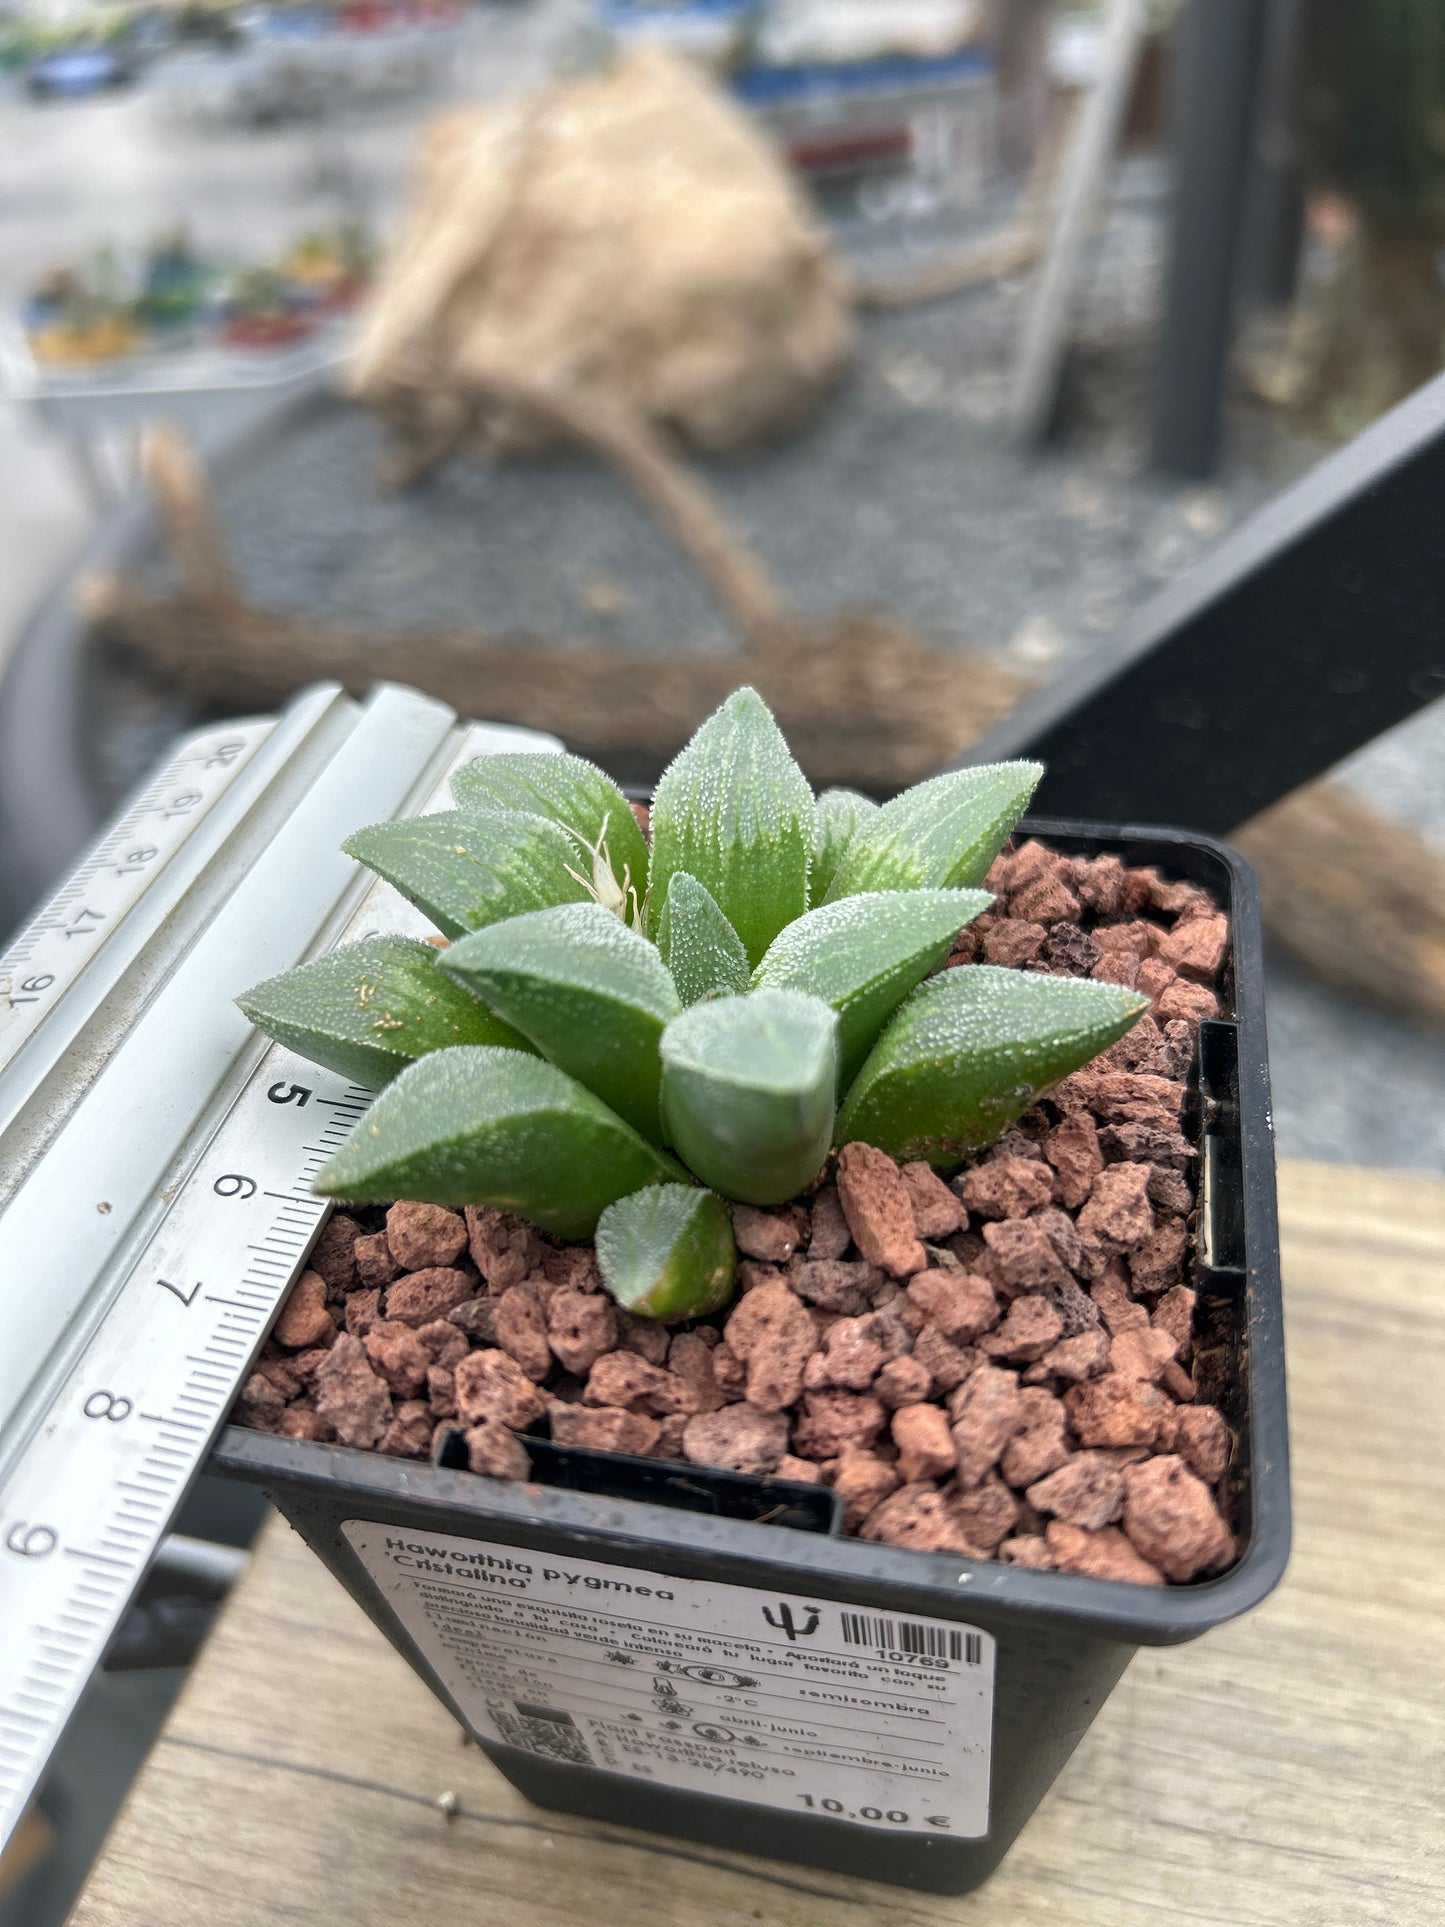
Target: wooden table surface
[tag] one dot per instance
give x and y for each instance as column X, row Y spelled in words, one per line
column 1286, row 1769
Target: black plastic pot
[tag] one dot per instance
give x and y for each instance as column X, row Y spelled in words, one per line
column 909, row 1628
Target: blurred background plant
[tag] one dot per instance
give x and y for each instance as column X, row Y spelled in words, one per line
column 1374, row 121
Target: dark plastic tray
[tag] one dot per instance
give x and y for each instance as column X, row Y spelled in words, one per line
column 1062, row 1641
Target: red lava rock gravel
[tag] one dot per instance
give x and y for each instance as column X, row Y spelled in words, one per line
column 1000, row 1365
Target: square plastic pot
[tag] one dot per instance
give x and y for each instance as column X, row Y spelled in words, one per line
column 1057, row 1642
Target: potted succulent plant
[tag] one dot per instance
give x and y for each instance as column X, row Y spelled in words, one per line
column 824, row 1173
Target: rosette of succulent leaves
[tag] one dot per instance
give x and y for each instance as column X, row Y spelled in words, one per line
column 617, row 1038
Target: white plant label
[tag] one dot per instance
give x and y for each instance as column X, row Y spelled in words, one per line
column 787, row 1701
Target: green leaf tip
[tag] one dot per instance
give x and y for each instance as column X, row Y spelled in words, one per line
column 864, row 954
column 369, row 1009
column 838, row 816
column 580, row 799
column 488, row 1126
column 465, row 871
column 667, row 1252
column 748, row 1092
column 940, row 835
column 734, row 810
column 970, row 1051
column 590, row 994
column 698, row 944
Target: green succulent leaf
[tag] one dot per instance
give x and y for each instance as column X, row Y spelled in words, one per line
column 369, row 1009
column 970, row 1051
column 465, row 870
column 940, row 835
column 668, row 1252
column 568, row 791
column 864, row 954
column 838, row 816
column 735, row 811
column 698, row 944
column 748, row 1092
column 486, row 1126
column 592, row 995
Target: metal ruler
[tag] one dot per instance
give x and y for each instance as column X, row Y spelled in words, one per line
column 156, row 1154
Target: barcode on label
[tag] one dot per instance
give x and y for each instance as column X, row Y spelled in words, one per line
column 909, row 1636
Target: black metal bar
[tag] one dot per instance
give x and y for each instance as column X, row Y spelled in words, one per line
column 1219, row 47
column 1275, row 215
column 1315, row 626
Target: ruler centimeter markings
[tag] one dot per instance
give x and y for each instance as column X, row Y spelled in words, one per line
column 52, row 952
column 134, row 1419
column 97, row 1484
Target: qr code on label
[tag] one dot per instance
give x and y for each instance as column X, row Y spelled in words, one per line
column 542, row 1730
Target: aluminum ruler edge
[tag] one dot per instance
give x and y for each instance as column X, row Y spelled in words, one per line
column 76, row 975
column 176, row 1313
column 101, row 1170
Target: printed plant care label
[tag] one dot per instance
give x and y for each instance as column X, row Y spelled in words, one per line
column 786, row 1701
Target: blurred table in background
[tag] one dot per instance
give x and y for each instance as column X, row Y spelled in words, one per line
column 1282, row 1772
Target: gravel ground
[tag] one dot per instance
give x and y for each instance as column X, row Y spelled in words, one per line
column 907, row 492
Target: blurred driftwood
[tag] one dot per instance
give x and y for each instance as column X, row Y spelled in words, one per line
column 631, row 234
column 862, row 700
column 1356, row 897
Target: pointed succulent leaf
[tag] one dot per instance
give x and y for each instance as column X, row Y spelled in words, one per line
column 698, row 944
column 838, row 816
column 668, row 1252
column 465, row 871
column 592, row 995
column 940, row 835
column 370, row 1009
column 481, row 1125
column 864, row 954
column 568, row 791
column 735, row 811
column 748, row 1092
column 970, row 1051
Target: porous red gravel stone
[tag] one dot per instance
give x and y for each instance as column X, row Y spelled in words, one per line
column 738, row 1437
column 862, row 1480
column 937, row 1208
column 398, row 1354
column 774, row 1335
column 421, row 1296
column 920, row 1516
column 304, row 1319
column 876, row 1205
column 1087, row 1491
column 490, row 1385
column 581, row 1327
column 492, row 1449
column 1106, row 1554
column 354, row 1401
column 1171, row 1518
column 770, row 1235
column 604, row 1428
column 421, row 1235
column 1001, row 1364
column 924, row 1442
